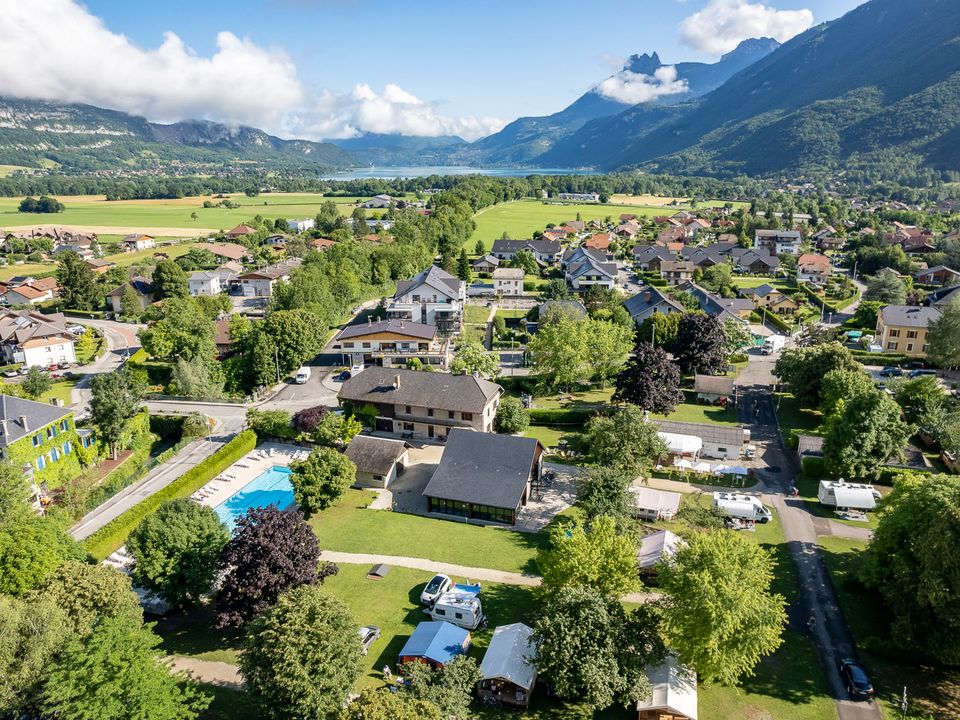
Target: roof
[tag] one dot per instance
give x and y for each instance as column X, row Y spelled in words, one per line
column 713, row 384
column 417, row 330
column 38, row 415
column 204, row 276
column 655, row 545
column 908, row 315
column 676, row 266
column 438, row 641
column 760, row 291
column 509, row 655
column 436, row 277
column 375, row 455
column 649, row 498
column 222, row 332
column 508, row 273
column 483, row 468
column 141, row 286
column 793, row 235
column 640, row 305
column 809, row 445
column 488, row 259
column 712, row 304
column 227, row 250
column 851, row 496
column 99, row 263
column 930, row 271
column 820, row 262
column 464, row 393
column 20, row 326
column 242, row 229
column 674, row 688
column 681, row 443
column 708, row 432
column 273, row 272
column 546, row 247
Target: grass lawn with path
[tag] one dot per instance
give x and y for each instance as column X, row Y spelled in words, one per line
column 475, row 313
column 124, row 259
column 794, row 417
column 60, row 390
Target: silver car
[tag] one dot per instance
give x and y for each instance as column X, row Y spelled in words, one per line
column 369, row 634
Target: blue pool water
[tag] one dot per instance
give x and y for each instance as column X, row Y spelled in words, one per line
column 272, row 487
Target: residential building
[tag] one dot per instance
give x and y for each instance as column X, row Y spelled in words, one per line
column 599, row 241
column 138, row 241
column 34, row 339
column 423, row 405
column 378, row 202
column 676, row 271
column 769, row 297
column 709, row 255
column 29, row 293
column 937, row 275
column 649, row 257
column 508, row 282
column 260, row 283
column 221, row 337
column 714, row 388
column 225, row 252
column 754, row 262
column 486, row 264
column 903, row 329
column 300, row 226
column 672, row 234
column 584, row 267
column 39, row 439
column 649, row 302
column 814, row 268
column 580, row 197
column 378, row 460
column 142, row 288
column 229, row 274
column 710, row 440
column 322, row 243
column 99, row 266
column 628, row 230
column 778, row 242
column 391, row 343
column 484, row 476
column 204, row 282
column 546, row 252
column 658, row 545
column 83, row 248
column 943, row 297
column 240, row 231
column 720, row 307
column 433, row 297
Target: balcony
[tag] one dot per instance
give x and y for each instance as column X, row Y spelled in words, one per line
column 439, row 419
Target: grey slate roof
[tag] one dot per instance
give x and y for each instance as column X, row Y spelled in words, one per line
column 545, row 247
column 721, row 308
column 375, row 455
column 140, row 285
column 713, row 384
column 463, row 393
column 640, row 308
column 759, row 291
column 437, row 276
column 488, row 259
column 810, row 445
column 38, row 415
column 399, row 327
column 483, row 468
column 908, row 315
column 718, row 434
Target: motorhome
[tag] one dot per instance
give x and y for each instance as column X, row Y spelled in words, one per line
column 741, row 506
column 857, row 496
column 772, row 344
column 303, row 374
column 459, row 606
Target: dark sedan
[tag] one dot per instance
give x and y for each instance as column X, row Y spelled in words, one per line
column 856, row 680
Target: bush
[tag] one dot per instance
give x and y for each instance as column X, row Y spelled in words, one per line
column 871, row 358
column 558, row 416
column 511, row 416
column 813, row 467
column 195, row 426
column 307, row 420
column 738, row 358
column 112, row 535
column 166, row 426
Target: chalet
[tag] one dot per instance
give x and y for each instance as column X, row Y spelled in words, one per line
column 649, row 302
column 629, row 229
column 676, row 271
column 649, row 257
column 260, row 283
column 814, row 268
column 578, row 226
column 903, row 329
column 203, row 282
column 433, row 297
column 224, row 252
column 754, row 262
column 544, row 251
column 937, row 275
column 672, row 234
column 142, row 289
column 778, row 242
column 137, row 241
column 392, row 343
column 378, row 460
column 240, row 231
column 714, row 388
column 34, row 339
column 486, row 264
column 719, row 307
column 221, row 337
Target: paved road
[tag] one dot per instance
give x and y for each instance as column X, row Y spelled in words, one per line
column 121, row 342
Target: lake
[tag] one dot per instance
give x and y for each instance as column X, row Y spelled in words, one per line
column 392, row 173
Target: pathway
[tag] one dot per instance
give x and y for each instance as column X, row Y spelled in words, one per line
column 208, row 671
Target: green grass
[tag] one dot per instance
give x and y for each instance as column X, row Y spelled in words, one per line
column 228, row 704
column 550, row 435
column 476, row 314
column 794, row 417
column 349, row 527
column 6, row 170
column 568, row 401
column 60, row 390
column 121, row 259
column 700, row 413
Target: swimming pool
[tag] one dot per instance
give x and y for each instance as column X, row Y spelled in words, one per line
column 272, row 487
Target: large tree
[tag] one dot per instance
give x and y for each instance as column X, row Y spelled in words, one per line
column 649, row 380
column 839, row 386
column 117, row 673
column 913, row 562
column 920, row 397
column 196, row 378
column 176, row 550
column 115, row 399
column 449, row 688
column 512, row 416
column 36, row 383
column 295, row 336
column 272, row 551
column 589, row 648
column 803, row 369
column 607, row 347
column 301, row 657
column 699, row 347
column 77, row 282
column 736, row 336
column 559, row 354
column 720, row 614
column 321, row 479
column 14, row 492
column 471, row 359
column 169, row 281
column 943, row 336
column 660, row 329
column 605, row 490
column 624, row 439
column 89, row 593
column 31, row 548
column 863, row 434
column 886, row 288
column 31, row 634
column 598, row 557
column 183, row 331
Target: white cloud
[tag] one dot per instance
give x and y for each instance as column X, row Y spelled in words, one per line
column 58, row 50
column 633, row 88
column 723, row 24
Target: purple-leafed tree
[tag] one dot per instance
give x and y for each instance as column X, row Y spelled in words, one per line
column 699, row 348
column 649, row 380
column 306, row 420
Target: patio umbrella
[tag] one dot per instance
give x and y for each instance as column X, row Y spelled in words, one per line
column 702, row 467
column 738, row 470
column 683, row 463
column 721, row 469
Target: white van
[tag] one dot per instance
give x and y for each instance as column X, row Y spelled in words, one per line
column 772, row 344
column 459, row 607
column 303, row 374
column 741, row 506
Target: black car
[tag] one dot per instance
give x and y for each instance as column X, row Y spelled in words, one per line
column 856, row 680
column 891, row 371
column 915, row 365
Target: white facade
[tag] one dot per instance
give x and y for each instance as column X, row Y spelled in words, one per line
column 257, row 287
column 301, row 225
column 203, row 283
column 508, row 281
column 46, row 352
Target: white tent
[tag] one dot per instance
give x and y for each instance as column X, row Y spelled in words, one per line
column 703, row 467
column 738, row 470
column 681, row 444
column 509, row 656
column 656, row 545
column 674, row 691
column 683, row 464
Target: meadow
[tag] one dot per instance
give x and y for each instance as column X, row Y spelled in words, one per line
column 124, row 259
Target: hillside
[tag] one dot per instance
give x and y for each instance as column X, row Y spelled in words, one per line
column 83, row 137
column 849, row 94
column 398, row 150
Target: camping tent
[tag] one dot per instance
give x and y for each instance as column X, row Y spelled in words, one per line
column 674, row 692
column 681, row 444
column 507, row 668
column 654, row 546
column 436, row 643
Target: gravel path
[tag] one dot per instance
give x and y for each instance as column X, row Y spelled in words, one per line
column 209, row 671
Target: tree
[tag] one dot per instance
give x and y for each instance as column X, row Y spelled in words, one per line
column 176, row 550
column 649, row 380
column 385, row 705
column 803, row 369
column 196, row 378
column 271, row 551
column 919, row 397
column 471, row 359
column 512, row 417
column 448, row 688
column 321, row 479
column 115, row 399
column 605, row 491
column 169, row 281
column 269, row 423
column 336, row 430
column 718, row 277
column 87, row 345
column 31, row 634
column 77, row 282
column 699, row 348
column 43, row 205
column 479, row 248
column 524, row 260
column 865, row 316
column 943, row 336
column 661, row 329
column 589, row 648
column 886, row 288
column 720, row 615
column 14, row 492
column 302, row 657
column 295, row 337
column 863, row 435
column 736, row 336
column 307, row 420
column 31, row 548
column 555, row 289
column 600, row 557
column 625, row 440
column 912, row 562
column 840, row 386
column 559, row 357
column 607, row 347
column 464, row 271
column 89, row 593
column 183, row 331
column 117, row 673
column 36, row 383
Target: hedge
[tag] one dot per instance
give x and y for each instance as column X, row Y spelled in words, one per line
column 559, row 416
column 779, row 323
column 114, row 534
column 813, row 467
column 871, row 358
column 167, row 425
column 85, row 313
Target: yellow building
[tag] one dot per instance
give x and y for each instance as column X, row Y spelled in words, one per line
column 903, row 329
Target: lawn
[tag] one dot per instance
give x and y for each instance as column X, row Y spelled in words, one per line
column 349, row 527
column 700, row 413
column 121, row 259
column 569, row 401
column 476, row 313
column 60, row 390
column 794, row 417
column 751, row 281
column 550, row 435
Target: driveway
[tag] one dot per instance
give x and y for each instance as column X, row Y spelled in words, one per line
column 121, row 342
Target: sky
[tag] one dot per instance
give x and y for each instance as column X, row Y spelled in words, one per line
column 320, row 69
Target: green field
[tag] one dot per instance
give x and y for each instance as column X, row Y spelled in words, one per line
column 121, row 259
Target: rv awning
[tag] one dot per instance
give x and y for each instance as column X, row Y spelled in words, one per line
column 681, row 444
column 509, row 656
column 856, row 498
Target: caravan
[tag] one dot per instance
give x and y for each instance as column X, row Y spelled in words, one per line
column 461, row 607
column 856, row 496
column 741, row 507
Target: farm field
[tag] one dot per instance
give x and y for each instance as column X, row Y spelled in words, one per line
column 121, row 259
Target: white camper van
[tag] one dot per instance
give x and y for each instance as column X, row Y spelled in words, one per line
column 741, row 506
column 303, row 374
column 459, row 607
column 772, row 344
column 856, row 496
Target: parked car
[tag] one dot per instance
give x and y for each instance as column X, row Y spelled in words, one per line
column 915, row 365
column 891, row 371
column 920, row 372
column 52, row 367
column 11, row 373
column 24, row 370
column 856, row 680
column 77, row 329
column 437, row 586
column 369, row 634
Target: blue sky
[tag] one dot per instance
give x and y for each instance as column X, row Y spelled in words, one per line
column 319, row 67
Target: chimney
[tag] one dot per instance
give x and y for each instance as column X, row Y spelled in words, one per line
column 396, row 382
column 23, row 422
column 646, row 296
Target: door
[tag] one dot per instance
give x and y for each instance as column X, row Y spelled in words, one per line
column 429, row 431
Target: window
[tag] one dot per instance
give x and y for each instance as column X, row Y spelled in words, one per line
column 54, row 454
column 37, row 440
column 64, row 425
column 451, row 414
column 720, row 449
column 894, row 333
column 440, row 611
column 67, row 448
column 348, row 344
column 467, row 416
column 892, row 345
column 909, row 347
column 41, row 462
column 911, row 334
column 458, row 615
column 51, row 432
column 366, row 345
column 407, row 410
column 429, row 412
column 408, row 426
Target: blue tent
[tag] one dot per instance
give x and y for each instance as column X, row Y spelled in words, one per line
column 436, row 642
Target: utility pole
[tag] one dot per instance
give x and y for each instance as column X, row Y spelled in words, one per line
column 276, row 357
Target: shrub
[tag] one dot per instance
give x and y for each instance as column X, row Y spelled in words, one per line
column 558, row 416
column 307, row 420
column 511, row 416
column 195, row 426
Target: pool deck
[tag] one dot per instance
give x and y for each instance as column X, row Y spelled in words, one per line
column 245, row 470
